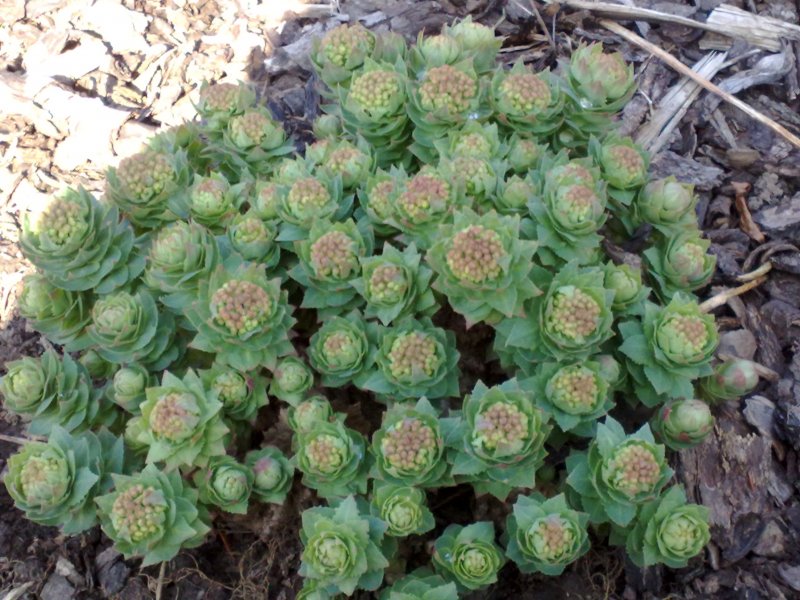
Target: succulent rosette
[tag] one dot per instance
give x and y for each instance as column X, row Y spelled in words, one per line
column 545, row 535
column 58, row 314
column 668, row 348
column 668, row 531
column 443, row 98
column 225, row 483
column 375, row 108
column 730, row 380
column 343, row 548
column 624, row 165
column 626, row 282
column 255, row 239
column 97, row 366
column 683, row 423
column 513, row 194
column 341, row 350
column 55, row 390
column 668, row 205
column 152, row 515
column 241, row 394
column 378, row 196
column 129, row 328
column 409, row 447
column 472, row 140
column 571, row 210
column 527, row 103
column 433, row 51
column 598, row 85
column 350, row 162
column 497, row 441
column 219, row 102
column 182, row 423
column 307, row 413
column 483, row 267
column 251, row 144
column 421, row 584
column 468, row 556
column 327, row 126
column 55, row 483
column 291, row 379
column 79, row 244
column 576, row 394
column 265, row 197
column 241, row 316
column 571, row 320
column 475, row 176
column 341, row 51
column 680, row 263
column 329, row 261
column 415, row 359
column 403, row 509
column 477, row 42
column 127, row 387
column 214, row 202
column 149, row 188
column 395, row 284
column 181, row 255
column 333, row 459
column 523, row 155
column 618, row 473
column 425, row 201
column 272, row 474
column 309, row 199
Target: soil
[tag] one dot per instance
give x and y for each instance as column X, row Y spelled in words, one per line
column 746, row 471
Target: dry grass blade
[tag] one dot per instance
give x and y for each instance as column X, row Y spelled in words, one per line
column 763, row 32
column 654, row 134
column 722, row 298
column 684, row 70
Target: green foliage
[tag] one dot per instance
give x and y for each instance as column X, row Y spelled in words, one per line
column 227, row 292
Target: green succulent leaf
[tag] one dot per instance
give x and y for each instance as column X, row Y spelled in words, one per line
column 273, row 474
column 402, row 508
column 468, row 556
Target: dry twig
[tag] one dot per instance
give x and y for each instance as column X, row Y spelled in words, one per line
column 720, row 299
column 746, row 222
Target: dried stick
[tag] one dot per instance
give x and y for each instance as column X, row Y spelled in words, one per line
column 686, row 71
column 725, row 295
column 12, row 439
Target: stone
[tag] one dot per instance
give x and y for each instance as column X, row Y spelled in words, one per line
column 57, row 587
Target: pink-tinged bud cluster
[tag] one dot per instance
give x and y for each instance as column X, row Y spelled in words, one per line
column 170, row 243
column 341, row 41
column 267, row 201
column 231, row 387
column 574, row 390
column 527, row 93
column 474, row 172
column 252, row 125
column 475, row 254
column 138, row 513
column 375, row 90
column 409, row 445
column 624, row 161
column 346, row 160
column 333, row 256
column 573, row 173
column 268, row 472
column 63, row 220
column 230, row 484
column 551, row 538
column 240, row 306
column 251, row 230
column 575, row 204
column 325, row 453
column 683, row 334
column 175, row 417
column 612, row 69
column 689, row 260
column 208, row 194
column 307, row 196
column 220, row 96
column 574, row 314
column 501, row 424
column 422, row 192
column 412, row 353
column 473, row 144
column 387, row 284
column 447, row 88
column 341, row 348
column 633, row 469
column 145, row 174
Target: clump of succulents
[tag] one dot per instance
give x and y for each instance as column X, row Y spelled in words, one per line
column 442, row 188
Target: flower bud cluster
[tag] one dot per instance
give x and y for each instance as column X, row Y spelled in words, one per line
column 231, row 387
column 574, row 313
column 409, row 445
column 551, row 538
column 341, row 41
column 137, row 513
column 501, row 424
column 447, row 88
column 145, row 174
column 412, row 353
column 633, row 469
column 421, row 193
column 63, row 220
column 333, row 256
column 475, row 254
column 375, row 90
column 526, row 92
column 307, row 196
column 685, row 335
column 574, row 390
column 44, row 479
column 240, row 306
column 175, row 417
column 326, row 453
column 387, row 284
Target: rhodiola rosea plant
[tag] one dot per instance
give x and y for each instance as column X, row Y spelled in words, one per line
column 222, row 271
